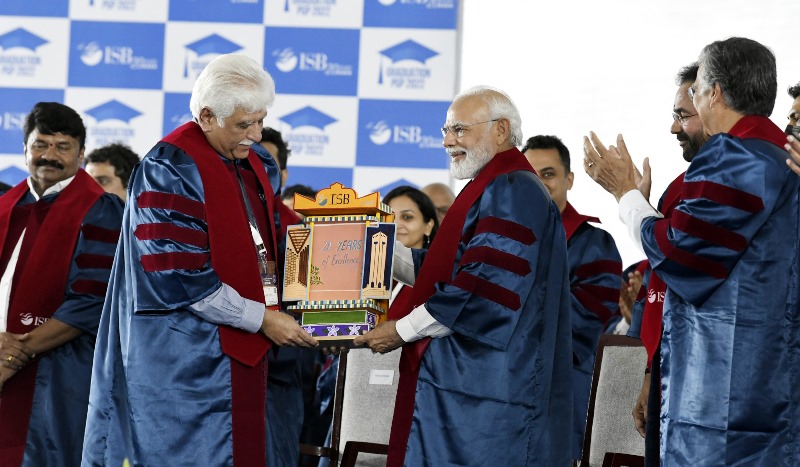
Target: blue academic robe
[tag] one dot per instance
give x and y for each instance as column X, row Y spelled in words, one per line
column 595, row 275
column 497, row 391
column 61, row 393
column 730, row 347
column 161, row 384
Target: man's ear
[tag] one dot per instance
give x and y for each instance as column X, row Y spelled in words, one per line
column 206, row 119
column 503, row 132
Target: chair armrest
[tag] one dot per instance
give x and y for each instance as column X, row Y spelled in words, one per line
column 352, row 448
column 616, row 459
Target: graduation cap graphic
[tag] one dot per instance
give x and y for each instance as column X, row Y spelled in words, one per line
column 12, row 175
column 21, row 38
column 213, row 44
column 401, row 182
column 113, row 110
column 407, row 50
column 308, row 116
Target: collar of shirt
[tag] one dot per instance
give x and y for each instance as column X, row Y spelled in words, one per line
column 56, row 188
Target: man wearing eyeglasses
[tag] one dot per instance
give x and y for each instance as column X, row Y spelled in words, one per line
column 58, row 232
column 647, row 312
column 728, row 255
column 595, row 272
column 485, row 368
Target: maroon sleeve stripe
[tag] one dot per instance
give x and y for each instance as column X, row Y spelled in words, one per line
column 683, row 257
column 162, row 231
column 90, row 287
column 182, row 204
column 174, row 260
column 707, row 231
column 505, row 228
column 99, row 234
column 723, row 195
column 483, row 288
column 606, row 294
column 591, row 303
column 88, row 261
column 497, row 258
column 596, row 268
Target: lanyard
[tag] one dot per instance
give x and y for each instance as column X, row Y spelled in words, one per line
column 258, row 240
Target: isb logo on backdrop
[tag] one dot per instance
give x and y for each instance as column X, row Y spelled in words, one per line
column 433, row 14
column 401, row 134
column 306, row 135
column 17, row 103
column 118, row 55
column 313, row 61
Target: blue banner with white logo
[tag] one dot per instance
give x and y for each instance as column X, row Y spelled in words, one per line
column 362, row 86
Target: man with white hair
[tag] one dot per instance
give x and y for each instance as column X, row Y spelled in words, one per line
column 180, row 368
column 485, row 368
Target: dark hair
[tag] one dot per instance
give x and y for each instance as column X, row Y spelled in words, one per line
column 687, row 74
column 51, row 118
column 549, row 142
column 271, row 135
column 794, row 91
column 745, row 71
column 305, row 190
column 424, row 204
column 120, row 156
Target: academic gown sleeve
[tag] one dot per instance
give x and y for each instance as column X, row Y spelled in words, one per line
column 695, row 249
column 170, row 234
column 91, row 265
column 494, row 271
column 595, row 278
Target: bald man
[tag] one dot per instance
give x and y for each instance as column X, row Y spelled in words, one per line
column 442, row 197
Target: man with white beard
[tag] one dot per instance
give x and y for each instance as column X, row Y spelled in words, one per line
column 485, row 368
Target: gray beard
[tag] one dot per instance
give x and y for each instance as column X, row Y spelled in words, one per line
column 473, row 162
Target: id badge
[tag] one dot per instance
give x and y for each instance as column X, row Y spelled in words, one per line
column 270, row 295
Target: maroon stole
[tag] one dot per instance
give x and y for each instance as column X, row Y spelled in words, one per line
column 748, row 127
column 45, row 258
column 438, row 267
column 233, row 258
column 572, row 220
column 650, row 333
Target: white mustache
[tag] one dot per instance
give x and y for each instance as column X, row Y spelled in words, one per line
column 454, row 149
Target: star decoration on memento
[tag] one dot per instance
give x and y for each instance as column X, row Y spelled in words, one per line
column 309, row 330
column 333, row 330
column 354, row 330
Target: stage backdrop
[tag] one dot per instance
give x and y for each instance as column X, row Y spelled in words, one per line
column 363, row 85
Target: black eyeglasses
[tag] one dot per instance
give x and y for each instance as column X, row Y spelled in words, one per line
column 459, row 128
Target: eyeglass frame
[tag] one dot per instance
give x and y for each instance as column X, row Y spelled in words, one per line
column 459, row 128
column 681, row 119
